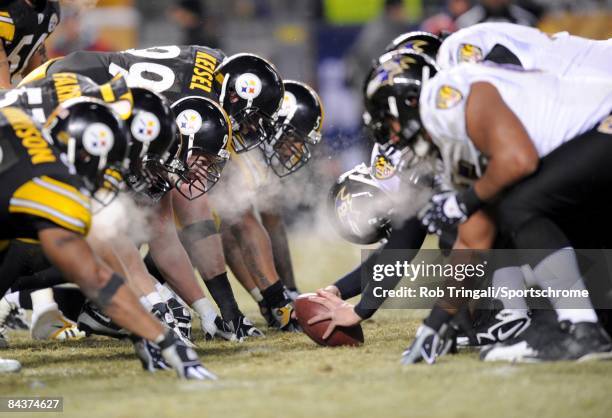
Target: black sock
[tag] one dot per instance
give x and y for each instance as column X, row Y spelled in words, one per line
column 274, row 295
column 437, row 317
column 221, row 291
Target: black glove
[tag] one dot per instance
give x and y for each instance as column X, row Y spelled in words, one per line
column 164, row 314
column 182, row 316
column 183, row 359
column 446, row 210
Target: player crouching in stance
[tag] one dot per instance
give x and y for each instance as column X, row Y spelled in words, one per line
column 44, row 197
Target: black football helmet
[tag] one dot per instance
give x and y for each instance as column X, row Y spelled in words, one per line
column 392, row 93
column 93, row 141
column 153, row 133
column 205, row 132
column 250, row 91
column 298, row 125
column 417, row 41
column 360, row 210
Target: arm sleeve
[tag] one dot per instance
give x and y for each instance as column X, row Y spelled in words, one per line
column 409, row 237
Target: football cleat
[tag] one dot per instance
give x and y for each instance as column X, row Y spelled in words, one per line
column 9, row 365
column 545, row 341
column 182, row 316
column 93, row 321
column 427, row 346
column 222, row 330
column 241, row 328
column 593, row 339
column 149, row 354
column 496, row 327
column 283, row 317
column 12, row 316
column 52, row 325
column 17, row 319
column 5, row 310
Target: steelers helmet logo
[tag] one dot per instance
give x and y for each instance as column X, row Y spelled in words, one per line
column 469, row 53
column 145, row 127
column 288, row 105
column 98, row 139
column 189, row 122
column 248, row 86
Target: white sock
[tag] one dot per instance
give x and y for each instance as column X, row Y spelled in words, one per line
column 13, row 298
column 145, row 303
column 205, row 310
column 42, row 300
column 256, row 294
column 560, row 271
column 511, row 278
column 164, row 292
column 154, row 298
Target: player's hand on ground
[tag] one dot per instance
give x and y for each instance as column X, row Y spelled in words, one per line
column 183, row 359
column 339, row 312
column 427, row 346
column 149, row 354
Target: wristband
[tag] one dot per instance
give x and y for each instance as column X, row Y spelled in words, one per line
column 469, row 201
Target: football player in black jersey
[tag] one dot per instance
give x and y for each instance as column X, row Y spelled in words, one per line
column 150, row 126
column 249, row 89
column 41, row 199
column 39, row 99
column 287, row 149
column 24, row 27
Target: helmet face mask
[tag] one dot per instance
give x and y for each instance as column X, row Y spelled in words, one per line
column 287, row 152
column 296, row 129
column 392, row 93
column 201, row 172
column 251, row 127
column 153, row 133
column 204, row 133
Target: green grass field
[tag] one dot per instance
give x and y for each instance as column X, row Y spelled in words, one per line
column 286, row 375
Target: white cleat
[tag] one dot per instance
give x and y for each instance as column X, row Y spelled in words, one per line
column 52, row 325
column 5, row 310
column 9, row 366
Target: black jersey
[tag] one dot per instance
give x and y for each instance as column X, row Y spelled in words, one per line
column 39, row 98
column 24, row 28
column 174, row 71
column 37, row 189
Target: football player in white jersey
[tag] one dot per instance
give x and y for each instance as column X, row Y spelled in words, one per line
column 529, row 48
column 479, row 117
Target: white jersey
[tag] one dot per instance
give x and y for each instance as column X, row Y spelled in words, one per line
column 552, row 109
column 561, row 53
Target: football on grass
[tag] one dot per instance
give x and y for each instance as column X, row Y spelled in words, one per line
column 306, row 309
